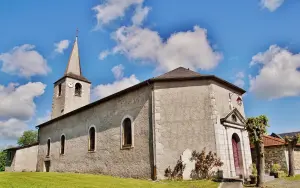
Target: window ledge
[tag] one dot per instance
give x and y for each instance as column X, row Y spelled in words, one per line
column 127, row 147
column 92, row 151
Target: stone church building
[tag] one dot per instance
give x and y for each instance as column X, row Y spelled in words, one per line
column 142, row 130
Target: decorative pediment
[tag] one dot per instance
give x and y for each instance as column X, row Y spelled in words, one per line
column 234, row 117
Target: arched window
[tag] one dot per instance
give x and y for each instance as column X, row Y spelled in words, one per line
column 59, row 90
column 62, row 144
column 78, row 89
column 92, row 139
column 48, row 147
column 127, row 133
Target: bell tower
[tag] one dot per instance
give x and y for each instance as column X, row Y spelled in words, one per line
column 71, row 91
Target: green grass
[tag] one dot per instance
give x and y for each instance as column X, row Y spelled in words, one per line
column 296, row 177
column 69, row 180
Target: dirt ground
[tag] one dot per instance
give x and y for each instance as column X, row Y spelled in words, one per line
column 283, row 183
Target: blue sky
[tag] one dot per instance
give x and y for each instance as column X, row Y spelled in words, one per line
column 254, row 44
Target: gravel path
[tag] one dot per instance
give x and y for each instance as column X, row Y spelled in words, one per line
column 282, row 183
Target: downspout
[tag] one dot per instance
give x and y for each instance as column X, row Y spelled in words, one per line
column 154, row 173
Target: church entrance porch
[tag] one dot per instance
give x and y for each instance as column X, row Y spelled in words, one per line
column 233, row 145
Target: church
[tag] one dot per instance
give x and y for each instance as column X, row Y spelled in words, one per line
column 140, row 131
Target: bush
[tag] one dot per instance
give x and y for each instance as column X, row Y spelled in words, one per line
column 204, row 163
column 254, row 170
column 281, row 174
column 275, row 167
column 177, row 173
column 2, row 160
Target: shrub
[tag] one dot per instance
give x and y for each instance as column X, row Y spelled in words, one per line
column 276, row 167
column 204, row 163
column 177, row 173
column 254, row 170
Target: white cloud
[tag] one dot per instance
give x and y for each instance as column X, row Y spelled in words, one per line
column 24, row 61
column 140, row 15
column 44, row 119
column 104, row 54
column 61, row 46
column 272, row 5
column 118, row 71
column 18, row 102
column 279, row 75
column 105, row 90
column 12, row 129
column 240, row 79
column 189, row 49
column 110, row 10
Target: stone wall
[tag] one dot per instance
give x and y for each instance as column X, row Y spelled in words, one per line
column 26, row 159
column 108, row 158
column 274, row 154
column 23, row 160
column 58, row 102
column 297, row 159
column 182, row 121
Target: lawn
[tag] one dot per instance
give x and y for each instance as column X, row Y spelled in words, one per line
column 69, row 180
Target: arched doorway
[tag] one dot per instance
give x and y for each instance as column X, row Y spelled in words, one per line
column 237, row 157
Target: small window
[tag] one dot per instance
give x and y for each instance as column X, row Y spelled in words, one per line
column 92, row 139
column 62, row 144
column 48, row 148
column 78, row 89
column 127, row 133
column 59, row 90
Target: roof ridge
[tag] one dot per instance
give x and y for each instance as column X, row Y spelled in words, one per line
column 274, row 138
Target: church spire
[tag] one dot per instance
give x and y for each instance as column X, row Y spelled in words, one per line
column 74, row 60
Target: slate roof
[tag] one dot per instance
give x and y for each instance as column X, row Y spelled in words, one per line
column 21, row 147
column 75, row 76
column 178, row 74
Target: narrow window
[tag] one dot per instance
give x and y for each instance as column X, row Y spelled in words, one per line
column 59, row 90
column 78, row 89
column 127, row 133
column 92, row 135
column 62, row 144
column 48, row 147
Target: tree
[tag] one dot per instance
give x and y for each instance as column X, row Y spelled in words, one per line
column 28, row 137
column 205, row 163
column 291, row 142
column 2, row 160
column 257, row 128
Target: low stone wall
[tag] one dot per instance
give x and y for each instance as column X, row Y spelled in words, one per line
column 297, row 159
column 274, row 154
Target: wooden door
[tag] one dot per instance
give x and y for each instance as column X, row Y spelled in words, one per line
column 236, row 155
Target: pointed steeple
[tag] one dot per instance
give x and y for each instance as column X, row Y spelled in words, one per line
column 74, row 60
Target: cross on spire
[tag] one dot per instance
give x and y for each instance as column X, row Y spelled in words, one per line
column 77, row 31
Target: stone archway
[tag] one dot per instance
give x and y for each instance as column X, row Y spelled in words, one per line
column 237, row 154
